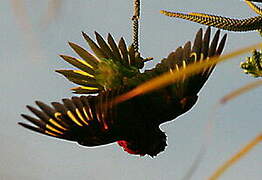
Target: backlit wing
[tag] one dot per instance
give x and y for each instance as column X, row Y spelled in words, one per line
column 201, row 50
column 95, row 120
column 82, row 119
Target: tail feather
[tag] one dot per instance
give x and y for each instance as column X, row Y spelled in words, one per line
column 114, row 47
column 85, row 55
column 123, row 51
column 80, row 64
column 95, row 48
column 106, row 49
column 110, row 64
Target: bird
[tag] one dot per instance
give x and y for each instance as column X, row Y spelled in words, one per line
column 230, row 24
column 91, row 119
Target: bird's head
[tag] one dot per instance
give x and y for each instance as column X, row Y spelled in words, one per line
column 149, row 144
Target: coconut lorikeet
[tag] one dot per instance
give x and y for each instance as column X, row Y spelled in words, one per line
column 92, row 120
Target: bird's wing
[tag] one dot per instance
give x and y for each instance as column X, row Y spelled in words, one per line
column 86, row 120
column 167, row 103
column 202, row 49
column 95, row 120
column 106, row 68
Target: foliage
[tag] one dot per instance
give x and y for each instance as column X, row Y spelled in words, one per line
column 253, row 64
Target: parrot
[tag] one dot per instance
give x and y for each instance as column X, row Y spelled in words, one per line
column 90, row 117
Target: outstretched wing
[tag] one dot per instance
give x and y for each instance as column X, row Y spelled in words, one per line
column 172, row 101
column 106, row 68
column 83, row 119
column 201, row 50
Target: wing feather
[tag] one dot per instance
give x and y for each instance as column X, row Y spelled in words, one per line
column 201, row 51
column 83, row 119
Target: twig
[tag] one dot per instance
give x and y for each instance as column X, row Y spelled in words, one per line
column 135, row 25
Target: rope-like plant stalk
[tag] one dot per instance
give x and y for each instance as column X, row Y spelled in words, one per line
column 135, row 25
column 254, row 7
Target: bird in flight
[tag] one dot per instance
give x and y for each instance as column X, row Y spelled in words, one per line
column 92, row 119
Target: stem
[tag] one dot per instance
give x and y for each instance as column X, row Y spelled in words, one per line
column 135, row 24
